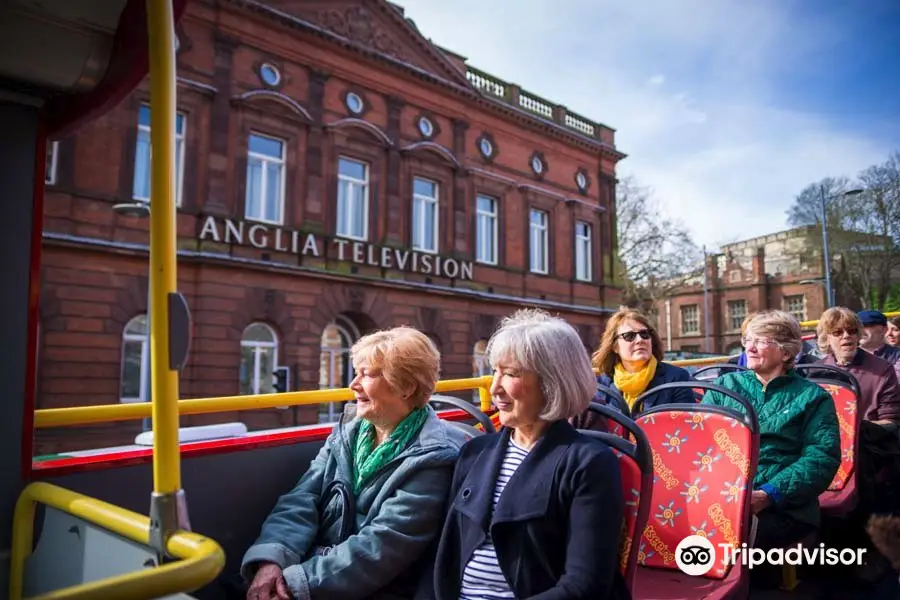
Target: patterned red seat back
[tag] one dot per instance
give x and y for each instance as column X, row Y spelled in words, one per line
column 636, row 470
column 704, row 459
column 631, row 488
column 845, row 403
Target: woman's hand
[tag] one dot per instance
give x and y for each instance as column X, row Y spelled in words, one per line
column 759, row 501
column 269, row 584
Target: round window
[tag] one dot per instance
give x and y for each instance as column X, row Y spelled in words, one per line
column 270, row 74
column 354, row 103
column 486, row 148
column 425, row 127
column 537, row 165
column 581, row 180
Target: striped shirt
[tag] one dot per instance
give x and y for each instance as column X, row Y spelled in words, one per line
column 482, row 577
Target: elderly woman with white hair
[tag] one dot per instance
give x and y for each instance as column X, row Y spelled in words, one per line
column 799, row 442
column 536, row 510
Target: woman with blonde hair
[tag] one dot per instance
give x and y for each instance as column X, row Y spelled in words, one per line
column 393, row 460
column 630, row 361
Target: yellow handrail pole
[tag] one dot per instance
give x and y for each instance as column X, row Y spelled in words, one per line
column 107, row 413
column 484, row 395
column 163, row 281
column 22, row 540
column 202, row 559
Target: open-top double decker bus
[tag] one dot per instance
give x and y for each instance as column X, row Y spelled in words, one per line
column 169, row 517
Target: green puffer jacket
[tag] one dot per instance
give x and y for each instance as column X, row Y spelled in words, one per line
column 799, row 443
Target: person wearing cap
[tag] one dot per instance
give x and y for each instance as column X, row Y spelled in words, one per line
column 872, row 338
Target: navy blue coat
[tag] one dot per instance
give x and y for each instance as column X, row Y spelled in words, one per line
column 665, row 373
column 556, row 527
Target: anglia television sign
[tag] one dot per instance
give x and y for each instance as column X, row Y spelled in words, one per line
column 280, row 239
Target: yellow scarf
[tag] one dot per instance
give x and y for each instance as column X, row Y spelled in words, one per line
column 633, row 385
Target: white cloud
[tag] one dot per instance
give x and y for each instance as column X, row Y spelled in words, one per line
column 691, row 88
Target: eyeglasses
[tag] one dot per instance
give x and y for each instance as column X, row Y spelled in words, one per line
column 758, row 342
column 841, row 332
column 629, row 336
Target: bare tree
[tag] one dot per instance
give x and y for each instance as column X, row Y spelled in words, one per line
column 864, row 229
column 656, row 253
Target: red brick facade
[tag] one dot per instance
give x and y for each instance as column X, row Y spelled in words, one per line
column 745, row 279
column 95, row 261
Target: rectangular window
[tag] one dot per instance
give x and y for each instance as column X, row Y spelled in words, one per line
column 690, row 319
column 796, row 305
column 264, row 199
column 353, row 199
column 425, row 215
column 582, row 251
column 50, row 167
column 141, row 187
column 486, row 230
column 538, row 238
column 737, row 310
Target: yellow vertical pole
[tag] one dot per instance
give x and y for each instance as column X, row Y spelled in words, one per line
column 163, row 280
column 484, row 394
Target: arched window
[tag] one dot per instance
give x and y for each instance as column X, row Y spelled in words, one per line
column 335, row 369
column 135, row 378
column 259, row 357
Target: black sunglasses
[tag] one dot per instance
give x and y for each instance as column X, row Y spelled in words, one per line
column 629, row 336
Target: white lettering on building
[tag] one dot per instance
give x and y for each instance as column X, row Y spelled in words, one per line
column 265, row 238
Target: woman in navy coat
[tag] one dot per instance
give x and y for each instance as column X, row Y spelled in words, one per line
column 630, row 362
column 535, row 511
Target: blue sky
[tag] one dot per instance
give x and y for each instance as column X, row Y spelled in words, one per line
column 726, row 108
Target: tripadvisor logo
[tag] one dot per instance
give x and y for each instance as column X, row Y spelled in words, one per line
column 696, row 555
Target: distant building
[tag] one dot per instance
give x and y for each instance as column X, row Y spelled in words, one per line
column 781, row 270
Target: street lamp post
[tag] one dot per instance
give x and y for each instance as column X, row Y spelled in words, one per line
column 829, row 297
column 829, row 291
column 141, row 210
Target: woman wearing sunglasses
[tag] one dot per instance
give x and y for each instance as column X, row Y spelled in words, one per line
column 630, row 361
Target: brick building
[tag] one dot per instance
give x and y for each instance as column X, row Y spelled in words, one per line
column 336, row 173
column 781, row 270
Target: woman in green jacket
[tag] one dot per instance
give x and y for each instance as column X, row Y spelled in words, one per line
column 800, row 447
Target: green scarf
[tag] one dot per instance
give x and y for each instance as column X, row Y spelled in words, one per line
column 367, row 459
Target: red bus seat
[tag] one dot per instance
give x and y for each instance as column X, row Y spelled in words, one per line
column 636, row 467
column 704, row 461
column 841, row 497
